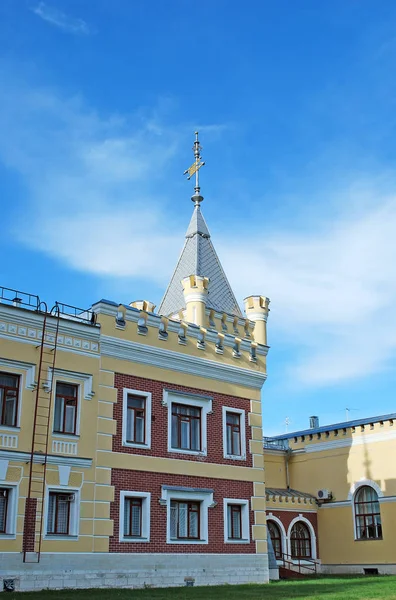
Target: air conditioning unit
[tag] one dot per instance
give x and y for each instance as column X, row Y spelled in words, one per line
column 323, row 494
column 67, row 498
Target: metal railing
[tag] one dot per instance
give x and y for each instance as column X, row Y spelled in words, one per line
column 12, row 297
column 275, row 444
column 304, row 566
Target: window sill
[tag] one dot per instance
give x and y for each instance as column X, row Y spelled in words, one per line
column 68, row 436
column 228, row 541
column 189, row 452
column 15, row 429
column 234, row 457
column 187, row 542
column 378, row 539
column 7, row 536
column 133, row 540
column 136, row 445
column 55, row 537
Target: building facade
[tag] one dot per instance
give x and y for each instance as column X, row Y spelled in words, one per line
column 344, row 514
column 131, row 440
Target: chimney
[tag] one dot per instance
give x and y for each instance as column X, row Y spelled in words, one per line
column 313, row 422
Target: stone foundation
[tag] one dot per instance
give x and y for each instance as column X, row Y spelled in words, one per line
column 58, row 571
column 383, row 569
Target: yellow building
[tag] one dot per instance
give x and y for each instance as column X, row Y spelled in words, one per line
column 131, row 440
column 344, row 515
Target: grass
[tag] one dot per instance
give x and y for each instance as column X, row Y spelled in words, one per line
column 321, row 588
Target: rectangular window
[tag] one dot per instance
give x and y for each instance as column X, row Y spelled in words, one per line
column 233, row 426
column 184, row 520
column 65, row 420
column 234, row 520
column 9, row 390
column 186, row 427
column 4, row 495
column 133, row 517
column 59, row 513
column 136, row 419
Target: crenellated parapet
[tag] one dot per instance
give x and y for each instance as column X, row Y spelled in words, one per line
column 222, row 337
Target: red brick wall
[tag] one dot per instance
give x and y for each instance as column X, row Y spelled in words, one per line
column 286, row 517
column 138, row 481
column 29, row 524
column 159, row 418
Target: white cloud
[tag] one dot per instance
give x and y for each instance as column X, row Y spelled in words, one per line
column 96, row 201
column 332, row 289
column 61, row 20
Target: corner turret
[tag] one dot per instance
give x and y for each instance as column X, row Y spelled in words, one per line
column 257, row 309
column 195, row 290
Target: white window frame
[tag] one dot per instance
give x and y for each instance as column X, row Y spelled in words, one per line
column 205, row 498
column 74, row 521
column 146, row 500
column 26, row 373
column 352, row 495
column 68, row 381
column 284, row 538
column 12, row 510
column 147, row 396
column 242, row 417
column 313, row 540
column 202, row 402
column 245, row 518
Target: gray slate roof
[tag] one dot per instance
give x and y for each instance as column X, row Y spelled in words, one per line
column 199, row 257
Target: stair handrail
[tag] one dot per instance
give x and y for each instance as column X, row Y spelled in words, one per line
column 307, row 563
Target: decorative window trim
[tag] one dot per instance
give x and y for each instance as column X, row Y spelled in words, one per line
column 241, row 412
column 146, row 500
column 26, row 372
column 352, row 495
column 311, row 531
column 361, row 483
column 202, row 402
column 245, row 517
column 204, row 497
column 147, row 396
column 57, row 380
column 12, row 510
column 284, row 537
column 84, row 380
column 74, row 513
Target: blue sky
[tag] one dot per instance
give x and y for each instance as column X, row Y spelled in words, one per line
column 295, row 103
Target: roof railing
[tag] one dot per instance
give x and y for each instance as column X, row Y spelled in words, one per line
column 17, row 298
column 270, row 443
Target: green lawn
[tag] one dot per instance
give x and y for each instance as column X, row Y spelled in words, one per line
column 323, row 588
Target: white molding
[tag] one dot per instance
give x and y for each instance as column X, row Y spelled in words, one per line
column 202, row 402
column 176, row 361
column 146, row 513
column 85, row 463
column 311, row 530
column 245, row 518
column 12, row 510
column 74, row 524
column 284, row 537
column 147, row 396
column 242, row 427
column 350, row 442
column 205, row 498
column 84, row 379
column 364, row 482
column 20, row 367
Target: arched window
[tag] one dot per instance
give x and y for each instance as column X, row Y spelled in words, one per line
column 367, row 514
column 276, row 538
column 300, row 540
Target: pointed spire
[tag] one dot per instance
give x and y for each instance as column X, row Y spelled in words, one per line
column 199, row 257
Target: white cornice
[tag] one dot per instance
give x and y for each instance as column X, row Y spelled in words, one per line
column 350, row 442
column 152, row 320
column 72, row 461
column 11, row 314
column 168, row 359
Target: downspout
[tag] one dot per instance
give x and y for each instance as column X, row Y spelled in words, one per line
column 288, row 453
